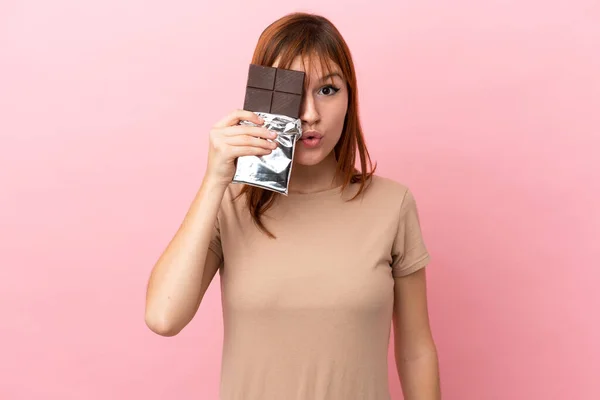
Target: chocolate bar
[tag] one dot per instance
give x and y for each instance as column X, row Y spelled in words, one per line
column 274, row 90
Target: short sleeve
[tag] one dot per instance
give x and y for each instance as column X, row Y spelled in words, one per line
column 215, row 240
column 409, row 253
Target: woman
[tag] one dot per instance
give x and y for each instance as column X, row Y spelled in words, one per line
column 312, row 281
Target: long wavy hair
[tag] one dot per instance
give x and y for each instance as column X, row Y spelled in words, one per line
column 310, row 35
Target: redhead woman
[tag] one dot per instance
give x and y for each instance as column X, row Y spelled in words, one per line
column 311, row 281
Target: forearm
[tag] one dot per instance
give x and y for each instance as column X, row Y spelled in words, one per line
column 419, row 376
column 174, row 287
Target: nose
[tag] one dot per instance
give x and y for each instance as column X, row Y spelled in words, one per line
column 309, row 113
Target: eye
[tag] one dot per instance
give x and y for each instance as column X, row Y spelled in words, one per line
column 329, row 90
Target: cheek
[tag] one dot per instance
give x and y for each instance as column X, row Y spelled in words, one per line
column 336, row 117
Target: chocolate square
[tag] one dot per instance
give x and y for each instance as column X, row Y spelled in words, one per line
column 274, row 90
column 258, row 100
column 261, row 77
column 289, row 81
column 286, row 104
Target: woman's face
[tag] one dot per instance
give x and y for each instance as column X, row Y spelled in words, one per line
column 322, row 112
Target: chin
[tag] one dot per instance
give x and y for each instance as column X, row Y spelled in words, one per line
column 308, row 158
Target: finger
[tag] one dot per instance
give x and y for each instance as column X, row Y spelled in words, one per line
column 240, row 151
column 239, row 115
column 249, row 141
column 248, row 130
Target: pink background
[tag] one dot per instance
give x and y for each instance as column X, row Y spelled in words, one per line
column 488, row 110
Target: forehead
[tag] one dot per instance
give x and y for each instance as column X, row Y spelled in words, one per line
column 315, row 67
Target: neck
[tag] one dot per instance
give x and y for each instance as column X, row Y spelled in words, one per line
column 315, row 178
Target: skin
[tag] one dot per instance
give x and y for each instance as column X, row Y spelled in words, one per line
column 414, row 348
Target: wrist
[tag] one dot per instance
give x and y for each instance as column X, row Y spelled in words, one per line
column 211, row 182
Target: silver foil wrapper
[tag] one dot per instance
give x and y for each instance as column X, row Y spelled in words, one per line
column 272, row 171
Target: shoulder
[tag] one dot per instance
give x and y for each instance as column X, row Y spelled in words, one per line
column 387, row 191
column 384, row 187
column 233, row 191
column 232, row 201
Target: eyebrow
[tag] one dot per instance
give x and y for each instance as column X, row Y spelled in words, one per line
column 331, row 75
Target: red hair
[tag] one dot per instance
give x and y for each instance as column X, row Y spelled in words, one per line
column 309, row 35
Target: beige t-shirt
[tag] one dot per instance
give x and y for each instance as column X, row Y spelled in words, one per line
column 307, row 316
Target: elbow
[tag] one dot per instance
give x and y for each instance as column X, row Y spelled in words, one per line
column 161, row 325
column 417, row 353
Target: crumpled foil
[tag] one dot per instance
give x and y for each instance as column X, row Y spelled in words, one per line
column 271, row 171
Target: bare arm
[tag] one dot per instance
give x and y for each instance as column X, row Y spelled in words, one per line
column 415, row 350
column 185, row 269
column 183, row 272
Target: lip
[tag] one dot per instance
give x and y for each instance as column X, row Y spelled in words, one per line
column 311, row 134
